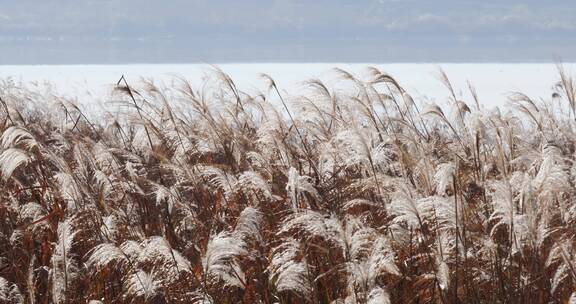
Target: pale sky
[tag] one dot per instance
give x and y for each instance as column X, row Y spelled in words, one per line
column 179, row 31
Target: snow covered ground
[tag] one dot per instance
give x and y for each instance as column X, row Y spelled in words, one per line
column 493, row 82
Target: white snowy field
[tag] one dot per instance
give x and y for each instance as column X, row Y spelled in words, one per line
column 493, row 82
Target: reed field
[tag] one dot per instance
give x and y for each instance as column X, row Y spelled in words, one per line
column 202, row 193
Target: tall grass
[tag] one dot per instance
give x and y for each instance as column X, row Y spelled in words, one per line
column 362, row 195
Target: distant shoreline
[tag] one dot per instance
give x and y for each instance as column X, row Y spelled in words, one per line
column 494, row 81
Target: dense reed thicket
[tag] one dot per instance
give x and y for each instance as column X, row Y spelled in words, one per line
column 356, row 195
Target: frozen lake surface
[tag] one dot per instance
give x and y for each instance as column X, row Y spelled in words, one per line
column 493, row 82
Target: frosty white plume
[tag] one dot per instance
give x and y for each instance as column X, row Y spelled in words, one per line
column 443, row 177
column 9, row 293
column 378, row 296
column 142, row 284
column 157, row 251
column 220, row 259
column 16, row 136
column 64, row 265
column 105, row 254
column 299, row 185
column 248, row 225
column 253, row 185
column 289, row 274
column 12, row 158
